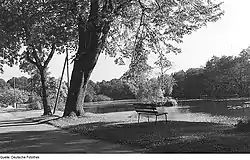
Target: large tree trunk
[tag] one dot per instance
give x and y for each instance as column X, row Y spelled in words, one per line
column 91, row 39
column 78, row 84
column 45, row 100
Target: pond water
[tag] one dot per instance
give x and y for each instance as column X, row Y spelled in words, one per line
column 217, row 111
column 214, row 111
column 230, row 108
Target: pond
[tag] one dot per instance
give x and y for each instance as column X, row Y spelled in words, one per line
column 217, row 111
column 230, row 108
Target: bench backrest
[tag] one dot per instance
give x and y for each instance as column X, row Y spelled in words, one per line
column 145, row 108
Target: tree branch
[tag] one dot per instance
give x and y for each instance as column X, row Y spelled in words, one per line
column 139, row 28
column 50, row 55
column 29, row 59
column 115, row 42
column 159, row 6
column 37, row 60
column 141, row 4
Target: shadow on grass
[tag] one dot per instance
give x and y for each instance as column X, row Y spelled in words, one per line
column 16, row 110
column 175, row 136
column 51, row 140
column 28, row 121
column 55, row 141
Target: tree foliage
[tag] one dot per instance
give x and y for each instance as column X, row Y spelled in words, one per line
column 223, row 76
column 8, row 97
column 39, row 28
column 157, row 27
column 37, row 25
column 115, row 89
column 3, row 84
column 21, row 83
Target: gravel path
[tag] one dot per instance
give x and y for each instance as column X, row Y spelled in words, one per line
column 24, row 132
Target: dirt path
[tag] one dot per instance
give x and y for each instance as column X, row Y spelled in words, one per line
column 26, row 132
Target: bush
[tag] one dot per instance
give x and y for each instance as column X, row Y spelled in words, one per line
column 7, row 96
column 101, row 97
column 34, row 98
column 35, row 106
column 170, row 102
column 60, row 104
column 88, row 98
column 150, row 91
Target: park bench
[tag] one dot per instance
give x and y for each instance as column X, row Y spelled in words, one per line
column 148, row 110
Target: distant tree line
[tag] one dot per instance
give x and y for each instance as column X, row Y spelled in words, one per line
column 31, row 89
column 221, row 77
column 114, row 89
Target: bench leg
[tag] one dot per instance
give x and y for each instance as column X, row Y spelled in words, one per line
column 148, row 118
column 138, row 117
column 166, row 118
column 155, row 119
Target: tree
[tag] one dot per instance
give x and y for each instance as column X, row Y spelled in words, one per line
column 222, row 77
column 168, row 84
column 3, row 84
column 116, row 89
column 194, row 83
column 178, row 89
column 230, row 74
column 20, row 82
column 240, row 72
column 35, row 83
column 118, row 27
column 91, row 92
column 164, row 64
column 40, row 28
column 8, row 96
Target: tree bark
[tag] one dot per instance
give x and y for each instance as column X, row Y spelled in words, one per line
column 45, row 100
column 78, row 85
column 91, row 40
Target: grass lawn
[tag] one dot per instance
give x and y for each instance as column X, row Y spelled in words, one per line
column 175, row 136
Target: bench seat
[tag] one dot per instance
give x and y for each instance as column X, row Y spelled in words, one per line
column 148, row 110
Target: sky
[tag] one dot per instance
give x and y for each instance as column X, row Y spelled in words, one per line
column 227, row 36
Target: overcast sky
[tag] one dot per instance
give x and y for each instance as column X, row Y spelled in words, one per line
column 228, row 36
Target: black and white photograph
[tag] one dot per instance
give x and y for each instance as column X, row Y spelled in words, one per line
column 146, row 78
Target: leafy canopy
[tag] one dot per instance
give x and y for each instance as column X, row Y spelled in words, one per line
column 152, row 26
column 143, row 27
column 37, row 26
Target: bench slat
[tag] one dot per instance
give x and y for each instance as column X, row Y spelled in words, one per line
column 152, row 112
column 161, row 113
column 150, row 107
column 146, row 111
